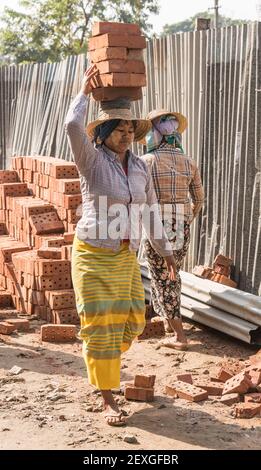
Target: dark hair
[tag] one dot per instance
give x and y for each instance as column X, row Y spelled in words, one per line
column 103, row 131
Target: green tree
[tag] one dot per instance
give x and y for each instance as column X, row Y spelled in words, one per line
column 49, row 30
column 189, row 24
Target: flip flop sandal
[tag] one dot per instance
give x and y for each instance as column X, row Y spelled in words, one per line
column 174, row 345
column 119, row 421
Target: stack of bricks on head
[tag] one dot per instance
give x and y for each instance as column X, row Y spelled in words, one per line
column 40, row 204
column 117, row 51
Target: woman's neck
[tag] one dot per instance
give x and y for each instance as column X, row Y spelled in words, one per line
column 123, row 157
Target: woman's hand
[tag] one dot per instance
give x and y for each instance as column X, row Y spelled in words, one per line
column 90, row 79
column 171, row 265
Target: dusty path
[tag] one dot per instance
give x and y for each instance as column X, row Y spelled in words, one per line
column 51, row 406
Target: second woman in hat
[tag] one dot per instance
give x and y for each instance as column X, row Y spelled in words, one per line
column 180, row 194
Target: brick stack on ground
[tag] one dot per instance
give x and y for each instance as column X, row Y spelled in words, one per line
column 117, row 50
column 237, row 385
column 219, row 273
column 142, row 389
column 38, row 199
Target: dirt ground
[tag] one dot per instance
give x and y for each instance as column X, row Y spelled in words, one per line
column 50, row 405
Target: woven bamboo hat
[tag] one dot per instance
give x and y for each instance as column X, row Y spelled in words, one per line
column 119, row 109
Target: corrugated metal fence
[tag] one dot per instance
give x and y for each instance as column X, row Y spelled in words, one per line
column 213, row 77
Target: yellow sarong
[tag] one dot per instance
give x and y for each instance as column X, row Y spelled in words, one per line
column 110, row 302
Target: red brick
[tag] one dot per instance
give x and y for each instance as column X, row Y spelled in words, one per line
column 68, row 237
column 103, row 27
column 14, row 247
column 247, row 410
column 144, row 381
column 51, row 282
column 187, row 378
column 224, row 270
column 68, row 316
column 252, row 398
column 117, row 40
column 255, row 358
column 51, row 267
column 36, row 209
column 213, row 388
column 223, row 260
column 202, row 271
column 41, row 311
column 240, row 383
column 226, row 281
column 36, row 297
column 107, row 53
column 67, row 252
column 5, row 300
column 6, row 314
column 224, row 374
column 14, row 189
column 69, row 186
column 63, row 170
column 8, row 176
column 46, row 223
column 230, row 399
column 72, row 201
column 138, row 393
column 6, row 328
column 186, row 391
column 135, row 54
column 121, row 66
column 51, row 241
column 58, row 333
column 109, row 93
column 153, row 330
column 20, row 324
column 62, row 299
column 49, row 253
column 123, row 79
column 255, row 377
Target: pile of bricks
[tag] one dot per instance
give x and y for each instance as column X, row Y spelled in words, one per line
column 142, row 389
column 51, row 181
column 117, row 50
column 39, row 198
column 219, row 273
column 237, row 384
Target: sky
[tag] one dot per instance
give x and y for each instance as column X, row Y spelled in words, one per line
column 172, row 11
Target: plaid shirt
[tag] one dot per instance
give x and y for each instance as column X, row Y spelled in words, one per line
column 176, row 180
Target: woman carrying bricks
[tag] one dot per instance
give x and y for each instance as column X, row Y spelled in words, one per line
column 180, row 194
column 105, row 272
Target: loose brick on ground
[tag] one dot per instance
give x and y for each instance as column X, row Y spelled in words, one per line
column 240, row 383
column 187, row 378
column 20, row 323
column 138, row 393
column 230, row 399
column 253, row 398
column 213, row 388
column 153, row 330
column 6, row 328
column 58, row 333
column 247, row 410
column 144, row 381
column 186, row 391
